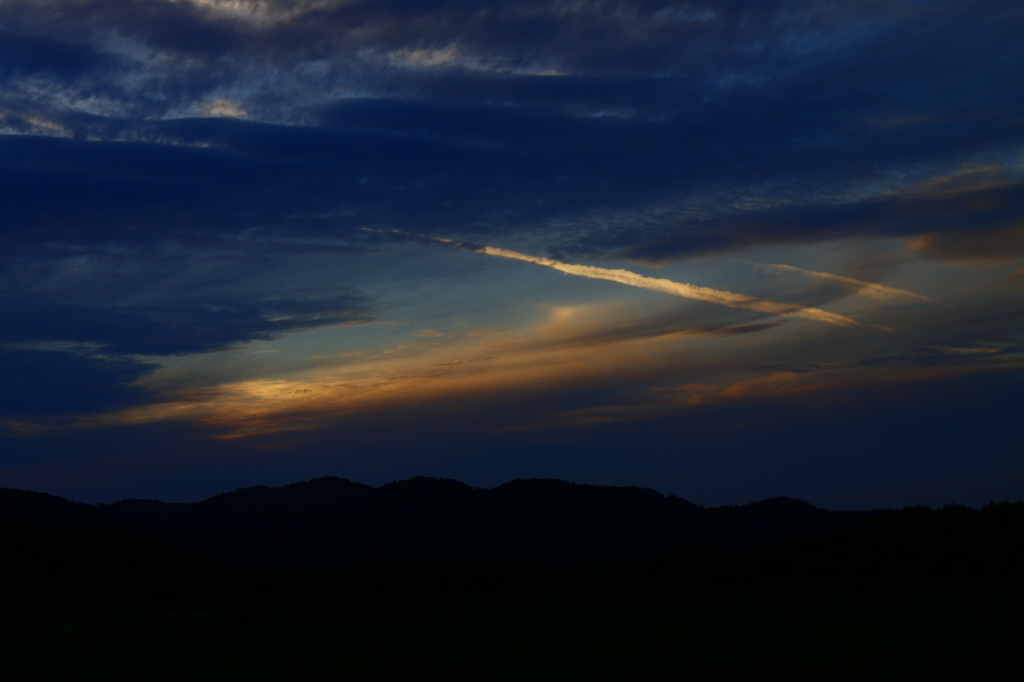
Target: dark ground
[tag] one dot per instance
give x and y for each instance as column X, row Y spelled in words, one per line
column 935, row 630
column 915, row 594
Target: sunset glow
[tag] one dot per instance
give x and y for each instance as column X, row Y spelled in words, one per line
column 725, row 250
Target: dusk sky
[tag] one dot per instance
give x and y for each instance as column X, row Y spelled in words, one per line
column 725, row 249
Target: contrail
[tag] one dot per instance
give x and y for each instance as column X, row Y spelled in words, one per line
column 666, row 286
column 876, row 291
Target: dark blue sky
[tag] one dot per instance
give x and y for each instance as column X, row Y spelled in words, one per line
column 727, row 250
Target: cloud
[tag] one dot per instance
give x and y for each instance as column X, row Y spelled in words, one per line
column 966, row 247
column 510, row 35
column 1014, row 280
column 975, row 220
column 22, row 56
column 174, row 328
column 973, row 356
column 222, row 107
column 870, row 289
column 142, row 141
column 814, row 385
column 672, row 129
column 690, row 291
column 571, row 352
column 50, row 383
column 475, row 333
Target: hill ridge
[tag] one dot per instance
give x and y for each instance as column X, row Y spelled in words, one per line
column 331, row 521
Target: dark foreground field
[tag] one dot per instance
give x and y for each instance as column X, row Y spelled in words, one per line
column 915, row 594
column 939, row 630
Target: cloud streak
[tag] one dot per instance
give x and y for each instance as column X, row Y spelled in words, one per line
column 879, row 292
column 666, row 286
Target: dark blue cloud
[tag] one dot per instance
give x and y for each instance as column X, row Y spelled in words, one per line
column 167, row 329
column 633, row 35
column 30, row 55
column 194, row 326
column 927, row 356
column 659, row 103
column 44, row 383
column 957, row 228
column 179, row 26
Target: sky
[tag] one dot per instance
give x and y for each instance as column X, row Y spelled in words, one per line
column 727, row 249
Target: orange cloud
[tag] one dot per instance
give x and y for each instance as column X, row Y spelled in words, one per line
column 980, row 203
column 964, row 247
column 782, row 385
column 572, row 346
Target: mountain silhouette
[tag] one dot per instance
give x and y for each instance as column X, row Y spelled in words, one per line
column 332, row 521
